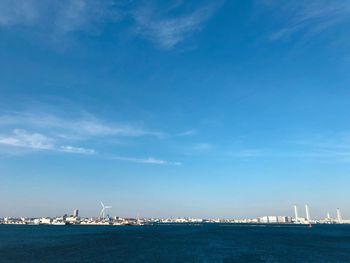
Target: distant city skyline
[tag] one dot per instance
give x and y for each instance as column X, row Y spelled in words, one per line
column 107, row 219
column 178, row 109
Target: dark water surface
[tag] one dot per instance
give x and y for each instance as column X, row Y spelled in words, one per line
column 175, row 243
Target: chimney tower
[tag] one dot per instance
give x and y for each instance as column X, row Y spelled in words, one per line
column 307, row 212
column 339, row 219
column 296, row 213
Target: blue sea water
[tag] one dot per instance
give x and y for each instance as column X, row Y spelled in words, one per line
column 221, row 243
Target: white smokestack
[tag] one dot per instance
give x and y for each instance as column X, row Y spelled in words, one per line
column 296, row 213
column 339, row 216
column 307, row 212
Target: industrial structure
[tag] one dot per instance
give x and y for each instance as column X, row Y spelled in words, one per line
column 103, row 210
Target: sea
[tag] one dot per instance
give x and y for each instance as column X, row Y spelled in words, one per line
column 221, row 243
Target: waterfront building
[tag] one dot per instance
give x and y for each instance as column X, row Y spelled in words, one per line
column 274, row 219
column 72, row 220
column 45, row 220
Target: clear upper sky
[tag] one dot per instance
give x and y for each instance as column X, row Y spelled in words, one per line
column 174, row 108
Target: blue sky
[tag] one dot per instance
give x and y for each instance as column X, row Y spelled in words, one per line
column 174, row 108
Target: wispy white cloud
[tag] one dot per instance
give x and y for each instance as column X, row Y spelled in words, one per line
column 22, row 138
column 203, row 147
column 167, row 31
column 74, row 127
column 19, row 12
column 149, row 160
column 79, row 150
column 33, row 131
column 334, row 147
column 249, row 153
column 75, row 15
column 37, row 141
column 57, row 18
column 322, row 148
column 187, row 133
column 308, row 17
column 94, row 127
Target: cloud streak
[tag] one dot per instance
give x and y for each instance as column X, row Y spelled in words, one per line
column 149, row 160
column 58, row 16
column 37, row 141
column 22, row 138
column 187, row 133
column 309, row 18
column 61, row 134
column 78, row 150
column 203, row 147
column 166, row 31
column 79, row 127
column 57, row 19
column 320, row 148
